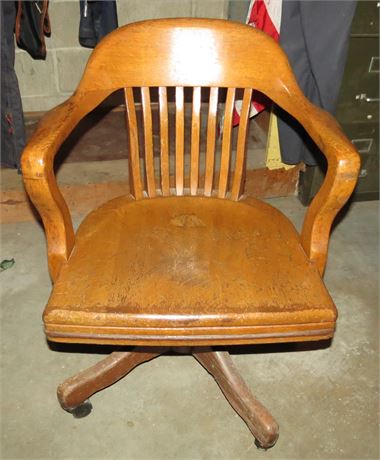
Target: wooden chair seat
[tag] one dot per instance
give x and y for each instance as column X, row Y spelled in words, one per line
column 198, row 269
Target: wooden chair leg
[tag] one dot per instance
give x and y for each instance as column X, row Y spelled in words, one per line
column 256, row 416
column 73, row 392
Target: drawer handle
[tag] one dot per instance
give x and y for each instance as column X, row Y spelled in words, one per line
column 363, row 173
column 363, row 145
column 364, row 97
column 374, row 65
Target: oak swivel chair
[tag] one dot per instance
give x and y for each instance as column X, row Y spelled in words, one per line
column 192, row 263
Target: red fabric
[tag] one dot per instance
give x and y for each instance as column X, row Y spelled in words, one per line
column 260, row 19
column 235, row 118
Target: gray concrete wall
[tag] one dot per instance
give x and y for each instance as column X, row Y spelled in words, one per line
column 238, row 10
column 44, row 84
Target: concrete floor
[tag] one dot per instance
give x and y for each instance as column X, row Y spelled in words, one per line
column 325, row 399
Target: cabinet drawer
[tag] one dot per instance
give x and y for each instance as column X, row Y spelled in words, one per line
column 365, row 137
column 359, row 95
column 366, row 19
column 368, row 182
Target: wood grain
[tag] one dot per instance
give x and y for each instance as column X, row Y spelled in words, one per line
column 195, row 138
column 226, row 143
column 237, row 185
column 38, row 174
column 260, row 422
column 148, row 142
column 179, row 139
column 117, row 365
column 191, row 247
column 211, row 140
column 15, row 205
column 164, row 140
column 198, row 52
column 134, row 155
column 263, row 67
column 187, row 271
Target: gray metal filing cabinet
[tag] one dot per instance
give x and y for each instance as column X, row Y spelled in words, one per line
column 358, row 106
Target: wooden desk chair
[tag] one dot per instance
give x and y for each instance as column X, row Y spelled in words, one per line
column 186, row 260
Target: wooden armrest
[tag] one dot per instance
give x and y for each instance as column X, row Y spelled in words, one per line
column 37, row 165
column 342, row 173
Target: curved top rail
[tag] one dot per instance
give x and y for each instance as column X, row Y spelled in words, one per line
column 190, row 52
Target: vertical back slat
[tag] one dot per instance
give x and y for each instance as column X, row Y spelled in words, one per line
column 226, row 143
column 195, row 136
column 179, row 139
column 134, row 160
column 148, row 142
column 241, row 145
column 210, row 143
column 164, row 140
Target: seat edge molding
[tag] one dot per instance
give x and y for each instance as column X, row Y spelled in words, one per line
column 199, row 336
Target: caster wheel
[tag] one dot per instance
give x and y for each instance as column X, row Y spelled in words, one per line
column 82, row 410
column 259, row 446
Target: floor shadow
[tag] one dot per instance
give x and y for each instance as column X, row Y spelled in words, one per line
column 342, row 213
column 272, row 348
column 85, row 348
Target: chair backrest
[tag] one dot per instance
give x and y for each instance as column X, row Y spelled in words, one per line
column 197, row 53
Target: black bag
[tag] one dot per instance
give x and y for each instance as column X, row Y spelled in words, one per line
column 97, row 19
column 32, row 25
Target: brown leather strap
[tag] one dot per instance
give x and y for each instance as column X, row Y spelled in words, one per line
column 18, row 20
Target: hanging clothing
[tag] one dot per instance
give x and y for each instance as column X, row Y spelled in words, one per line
column 32, row 25
column 12, row 119
column 314, row 35
column 97, row 19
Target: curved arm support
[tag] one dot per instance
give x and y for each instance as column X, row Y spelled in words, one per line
column 342, row 173
column 37, row 165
